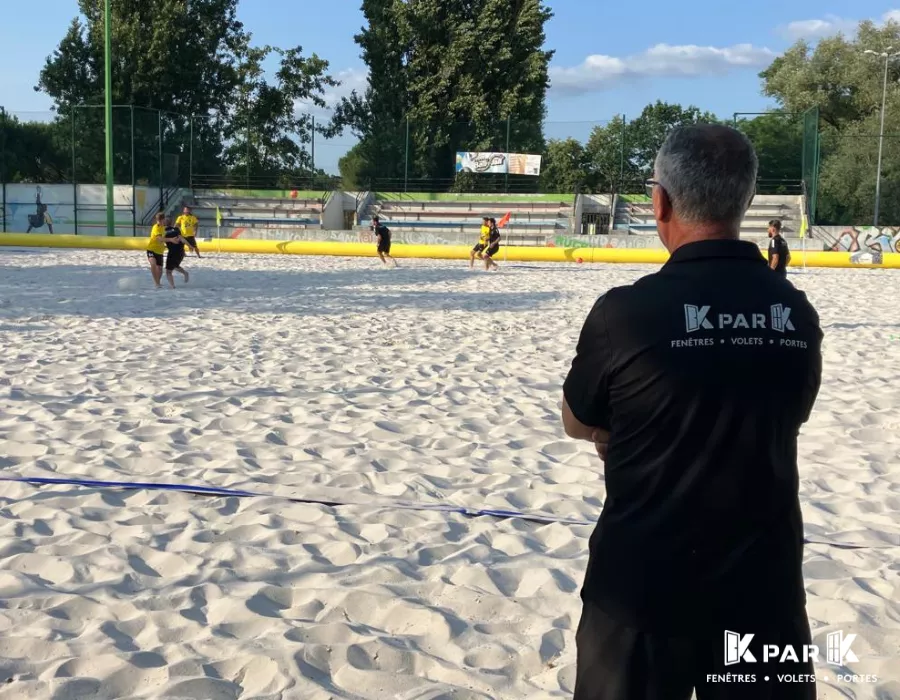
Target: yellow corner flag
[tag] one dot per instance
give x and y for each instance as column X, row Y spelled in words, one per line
column 804, row 225
column 218, row 217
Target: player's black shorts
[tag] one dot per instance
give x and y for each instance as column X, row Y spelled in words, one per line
column 617, row 662
column 384, row 245
column 478, row 248
column 492, row 250
column 155, row 256
column 175, row 258
column 191, row 241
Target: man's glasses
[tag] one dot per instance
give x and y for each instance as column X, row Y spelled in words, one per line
column 649, row 185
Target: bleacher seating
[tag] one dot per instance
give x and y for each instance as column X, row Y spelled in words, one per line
column 529, row 215
column 634, row 213
column 256, row 210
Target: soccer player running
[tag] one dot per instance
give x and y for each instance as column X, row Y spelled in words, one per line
column 493, row 245
column 175, row 243
column 693, row 384
column 779, row 253
column 187, row 223
column 383, row 241
column 483, row 242
column 156, row 247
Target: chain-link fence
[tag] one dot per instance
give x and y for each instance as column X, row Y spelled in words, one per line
column 163, row 150
column 151, row 152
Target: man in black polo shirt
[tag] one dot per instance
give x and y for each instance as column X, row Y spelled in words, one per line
column 693, row 384
column 779, row 253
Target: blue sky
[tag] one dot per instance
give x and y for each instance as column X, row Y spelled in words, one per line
column 611, row 58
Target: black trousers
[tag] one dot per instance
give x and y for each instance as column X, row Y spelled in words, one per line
column 616, row 662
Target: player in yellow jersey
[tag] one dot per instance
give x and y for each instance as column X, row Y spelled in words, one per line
column 187, row 224
column 483, row 242
column 156, row 248
column 493, row 246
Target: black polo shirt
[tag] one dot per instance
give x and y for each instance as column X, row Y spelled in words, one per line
column 779, row 246
column 703, row 373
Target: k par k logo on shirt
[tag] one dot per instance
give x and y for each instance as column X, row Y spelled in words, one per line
column 698, row 318
column 838, row 650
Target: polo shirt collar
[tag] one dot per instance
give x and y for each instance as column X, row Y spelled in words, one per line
column 718, row 248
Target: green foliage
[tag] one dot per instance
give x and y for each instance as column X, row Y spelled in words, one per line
column 185, row 58
column 32, row 152
column 566, row 167
column 451, row 72
column 846, row 85
column 778, row 140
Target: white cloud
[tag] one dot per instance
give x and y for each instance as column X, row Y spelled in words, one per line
column 600, row 72
column 830, row 25
column 818, row 28
column 351, row 79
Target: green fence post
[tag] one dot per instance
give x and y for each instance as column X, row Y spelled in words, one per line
column 133, row 180
column 313, row 136
column 3, row 162
column 160, row 155
column 406, row 158
column 74, row 178
column 506, row 179
column 191, row 156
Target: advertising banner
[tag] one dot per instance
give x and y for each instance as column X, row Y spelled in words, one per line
column 498, row 163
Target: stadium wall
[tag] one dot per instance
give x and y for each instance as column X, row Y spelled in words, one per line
column 333, row 212
column 77, row 209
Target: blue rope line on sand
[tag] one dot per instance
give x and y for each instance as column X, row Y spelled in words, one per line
column 217, row 491
column 499, row 514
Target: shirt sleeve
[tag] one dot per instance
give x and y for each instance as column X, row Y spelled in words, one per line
column 586, row 388
column 814, row 378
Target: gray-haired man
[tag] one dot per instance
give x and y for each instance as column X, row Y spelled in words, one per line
column 693, row 384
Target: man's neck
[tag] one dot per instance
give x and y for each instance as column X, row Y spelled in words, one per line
column 687, row 234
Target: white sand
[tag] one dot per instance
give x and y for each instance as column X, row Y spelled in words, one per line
column 334, row 379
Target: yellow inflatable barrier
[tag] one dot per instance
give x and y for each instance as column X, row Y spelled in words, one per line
column 437, row 252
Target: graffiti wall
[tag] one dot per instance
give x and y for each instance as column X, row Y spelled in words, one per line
column 852, row 239
column 30, row 208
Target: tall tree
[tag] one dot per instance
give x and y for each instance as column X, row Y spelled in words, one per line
column 32, row 151
column 645, row 135
column 268, row 138
column 455, row 74
column 188, row 58
column 778, row 140
column 607, row 156
column 565, row 167
column 845, row 84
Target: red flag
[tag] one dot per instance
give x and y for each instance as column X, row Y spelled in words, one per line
column 504, row 220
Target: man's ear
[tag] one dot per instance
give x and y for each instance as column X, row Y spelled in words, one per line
column 662, row 204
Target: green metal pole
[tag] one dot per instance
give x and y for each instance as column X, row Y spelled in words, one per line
column 508, row 125
column 622, row 159
column 3, row 163
column 313, row 136
column 75, row 178
column 406, row 159
column 110, row 188
column 191, row 157
column 162, row 204
column 133, row 180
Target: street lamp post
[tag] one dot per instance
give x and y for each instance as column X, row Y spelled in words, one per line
column 887, row 56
